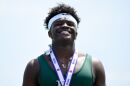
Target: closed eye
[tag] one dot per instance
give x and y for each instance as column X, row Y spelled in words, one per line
column 61, row 22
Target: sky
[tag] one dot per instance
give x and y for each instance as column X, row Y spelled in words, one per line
column 104, row 33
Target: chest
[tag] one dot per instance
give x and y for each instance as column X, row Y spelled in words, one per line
column 82, row 74
column 64, row 64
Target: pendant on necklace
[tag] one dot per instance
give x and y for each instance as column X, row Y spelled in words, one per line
column 63, row 65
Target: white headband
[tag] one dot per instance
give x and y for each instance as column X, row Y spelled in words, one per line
column 62, row 16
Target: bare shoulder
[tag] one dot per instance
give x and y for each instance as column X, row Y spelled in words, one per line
column 33, row 64
column 99, row 72
column 30, row 77
column 97, row 63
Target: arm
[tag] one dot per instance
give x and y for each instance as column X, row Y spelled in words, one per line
column 99, row 73
column 30, row 77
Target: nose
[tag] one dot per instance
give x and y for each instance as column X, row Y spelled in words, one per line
column 65, row 25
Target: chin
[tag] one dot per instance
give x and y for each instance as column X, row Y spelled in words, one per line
column 67, row 41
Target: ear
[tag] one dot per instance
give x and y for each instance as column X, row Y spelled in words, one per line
column 49, row 34
column 76, row 35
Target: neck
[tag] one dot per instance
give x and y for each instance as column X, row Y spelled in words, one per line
column 63, row 52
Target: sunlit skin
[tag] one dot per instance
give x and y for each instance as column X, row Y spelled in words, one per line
column 63, row 34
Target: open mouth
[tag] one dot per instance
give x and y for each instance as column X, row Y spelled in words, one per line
column 65, row 33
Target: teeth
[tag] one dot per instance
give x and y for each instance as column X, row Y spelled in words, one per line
column 64, row 32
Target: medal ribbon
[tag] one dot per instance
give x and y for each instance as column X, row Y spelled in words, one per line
column 64, row 82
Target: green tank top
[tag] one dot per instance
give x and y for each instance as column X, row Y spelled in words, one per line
column 48, row 77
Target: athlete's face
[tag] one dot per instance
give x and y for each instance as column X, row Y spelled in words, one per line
column 63, row 30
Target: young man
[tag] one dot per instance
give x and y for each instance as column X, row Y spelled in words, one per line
column 63, row 64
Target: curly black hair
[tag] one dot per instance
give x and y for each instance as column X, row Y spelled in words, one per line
column 61, row 8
